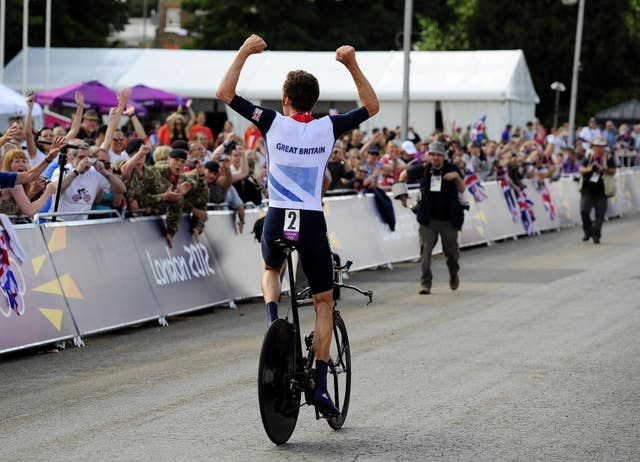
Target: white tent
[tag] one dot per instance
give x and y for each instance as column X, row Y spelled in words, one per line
column 463, row 85
column 13, row 103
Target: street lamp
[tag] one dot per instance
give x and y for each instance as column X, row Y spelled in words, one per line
column 576, row 68
column 557, row 87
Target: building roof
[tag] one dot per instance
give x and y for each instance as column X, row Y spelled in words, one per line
column 497, row 75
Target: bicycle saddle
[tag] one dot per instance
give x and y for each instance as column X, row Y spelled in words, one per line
column 284, row 244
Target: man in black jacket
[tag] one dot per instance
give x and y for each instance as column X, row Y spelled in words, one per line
column 439, row 212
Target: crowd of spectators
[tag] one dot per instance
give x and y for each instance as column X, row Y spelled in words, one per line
column 182, row 167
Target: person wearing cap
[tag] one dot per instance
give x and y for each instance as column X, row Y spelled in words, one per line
column 409, row 153
column 218, row 178
column 439, row 212
column 90, row 120
column 298, row 147
column 189, row 194
column 595, row 165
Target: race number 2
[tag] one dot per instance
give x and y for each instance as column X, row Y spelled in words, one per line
column 291, row 224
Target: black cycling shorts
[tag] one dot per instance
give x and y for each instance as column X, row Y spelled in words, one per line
column 313, row 246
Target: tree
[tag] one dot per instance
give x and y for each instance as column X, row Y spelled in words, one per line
column 545, row 31
column 71, row 26
column 311, row 25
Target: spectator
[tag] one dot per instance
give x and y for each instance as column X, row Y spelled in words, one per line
column 592, row 196
column 38, row 152
column 590, row 133
column 529, row 131
column 89, row 125
column 227, row 129
column 218, row 178
column 247, row 186
column 200, row 127
column 610, row 134
column 439, row 212
column 161, row 155
column 114, row 198
column 204, row 141
column 413, row 136
column 355, row 140
column 372, row 167
column 337, row 167
column 83, row 183
column 570, row 163
column 141, row 195
column 196, row 156
column 175, row 128
column 636, row 137
column 251, row 137
column 117, row 151
column 17, row 200
column 409, row 153
column 187, row 191
column 392, row 165
column 506, row 134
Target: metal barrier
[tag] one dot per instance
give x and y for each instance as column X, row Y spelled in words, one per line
column 85, row 277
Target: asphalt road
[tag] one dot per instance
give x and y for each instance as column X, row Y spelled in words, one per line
column 535, row 357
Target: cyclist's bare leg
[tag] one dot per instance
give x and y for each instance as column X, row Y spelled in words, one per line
column 323, row 305
column 271, row 284
column 271, row 291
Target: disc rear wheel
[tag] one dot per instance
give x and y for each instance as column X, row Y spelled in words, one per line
column 279, row 400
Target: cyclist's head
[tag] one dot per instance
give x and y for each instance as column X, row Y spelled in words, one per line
column 302, row 89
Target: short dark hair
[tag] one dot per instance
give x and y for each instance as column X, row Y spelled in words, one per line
column 302, row 89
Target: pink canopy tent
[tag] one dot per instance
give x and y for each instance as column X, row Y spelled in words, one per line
column 96, row 96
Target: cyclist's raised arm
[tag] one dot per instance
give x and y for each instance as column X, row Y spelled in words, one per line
column 347, row 55
column 227, row 89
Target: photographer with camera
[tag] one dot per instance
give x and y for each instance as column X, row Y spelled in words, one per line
column 83, row 182
column 439, row 211
column 595, row 166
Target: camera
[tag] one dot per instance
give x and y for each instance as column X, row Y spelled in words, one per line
column 117, row 171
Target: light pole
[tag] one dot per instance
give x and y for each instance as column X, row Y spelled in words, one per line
column 408, row 13
column 557, row 87
column 576, row 68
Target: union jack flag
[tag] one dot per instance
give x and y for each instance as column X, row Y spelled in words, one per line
column 257, row 113
column 474, row 185
column 477, row 130
column 541, row 187
column 526, row 211
column 8, row 283
column 508, row 196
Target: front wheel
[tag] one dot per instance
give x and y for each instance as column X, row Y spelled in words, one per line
column 278, row 399
column 340, row 370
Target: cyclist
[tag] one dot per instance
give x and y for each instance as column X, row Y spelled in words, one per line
column 298, row 148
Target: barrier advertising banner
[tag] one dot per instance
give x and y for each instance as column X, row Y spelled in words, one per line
column 238, row 254
column 41, row 315
column 183, row 278
column 500, row 224
column 104, row 286
column 352, row 223
column 474, row 230
column 401, row 244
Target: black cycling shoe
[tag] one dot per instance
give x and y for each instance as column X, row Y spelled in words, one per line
column 322, row 401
